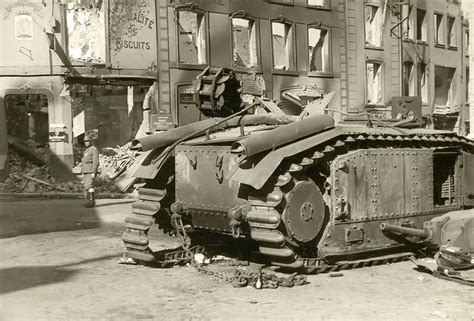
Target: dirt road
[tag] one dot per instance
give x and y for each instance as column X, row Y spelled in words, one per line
column 60, row 261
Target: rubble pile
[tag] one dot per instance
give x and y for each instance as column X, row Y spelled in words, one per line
column 115, row 161
column 28, row 176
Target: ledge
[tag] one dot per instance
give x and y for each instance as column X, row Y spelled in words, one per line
column 285, row 72
column 321, row 74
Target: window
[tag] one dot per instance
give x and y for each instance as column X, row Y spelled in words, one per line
column 408, row 12
column 423, row 83
column 439, row 28
column 318, row 49
column 317, row 3
column 408, row 79
column 23, row 27
column 373, row 25
column 445, row 91
column 374, row 83
column 452, row 32
column 191, row 37
column 244, row 42
column 466, row 40
column 421, row 31
column 467, row 85
column 283, row 46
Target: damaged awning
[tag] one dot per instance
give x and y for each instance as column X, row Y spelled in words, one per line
column 112, row 79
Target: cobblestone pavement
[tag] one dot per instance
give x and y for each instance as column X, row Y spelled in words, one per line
column 60, row 261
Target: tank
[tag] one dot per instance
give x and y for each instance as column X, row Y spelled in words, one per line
column 303, row 192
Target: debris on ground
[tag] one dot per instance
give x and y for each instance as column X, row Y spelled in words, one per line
column 29, row 171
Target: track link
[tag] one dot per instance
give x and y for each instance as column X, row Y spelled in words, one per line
column 138, row 224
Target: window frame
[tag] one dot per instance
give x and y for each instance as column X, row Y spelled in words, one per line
column 448, row 33
column 195, row 9
column 436, row 32
column 379, row 62
column 325, row 6
column 425, row 23
column 418, row 82
column 292, row 53
column 330, row 72
column 366, row 44
column 411, row 81
column 241, row 14
column 411, row 23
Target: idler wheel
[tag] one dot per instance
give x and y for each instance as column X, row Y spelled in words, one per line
column 304, row 211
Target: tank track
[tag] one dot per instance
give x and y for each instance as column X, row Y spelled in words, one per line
column 138, row 224
column 267, row 204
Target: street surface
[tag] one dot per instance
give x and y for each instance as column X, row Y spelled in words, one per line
column 60, row 261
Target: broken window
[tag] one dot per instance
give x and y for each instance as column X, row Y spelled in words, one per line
column 317, row 3
column 191, row 37
column 408, row 79
column 86, row 32
column 452, row 31
column 373, row 25
column 445, row 91
column 408, row 13
column 423, row 83
column 421, row 31
column 27, row 118
column 23, row 27
column 374, row 83
column 439, row 28
column 244, row 43
column 318, row 46
column 283, row 47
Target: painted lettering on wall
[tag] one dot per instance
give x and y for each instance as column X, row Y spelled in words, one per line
column 132, row 25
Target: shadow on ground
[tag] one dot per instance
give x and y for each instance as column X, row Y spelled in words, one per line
column 24, row 277
column 36, row 216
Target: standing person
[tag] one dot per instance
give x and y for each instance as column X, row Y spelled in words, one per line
column 90, row 165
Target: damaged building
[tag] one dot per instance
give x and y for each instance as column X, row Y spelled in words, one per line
column 125, row 68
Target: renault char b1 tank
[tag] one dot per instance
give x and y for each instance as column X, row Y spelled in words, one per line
column 307, row 193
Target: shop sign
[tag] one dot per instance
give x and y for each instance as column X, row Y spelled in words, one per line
column 132, row 33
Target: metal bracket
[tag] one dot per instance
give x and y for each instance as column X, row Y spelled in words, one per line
column 354, row 235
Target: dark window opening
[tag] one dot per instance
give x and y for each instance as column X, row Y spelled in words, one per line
column 421, row 31
column 27, row 118
column 439, row 28
column 444, row 178
column 452, row 32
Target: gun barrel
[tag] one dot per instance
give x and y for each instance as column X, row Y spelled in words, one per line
column 405, row 230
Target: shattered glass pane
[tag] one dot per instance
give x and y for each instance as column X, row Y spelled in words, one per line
column 192, row 42
column 245, row 43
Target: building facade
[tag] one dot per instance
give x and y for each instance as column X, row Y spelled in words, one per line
column 430, row 65
column 125, row 68
column 276, row 48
